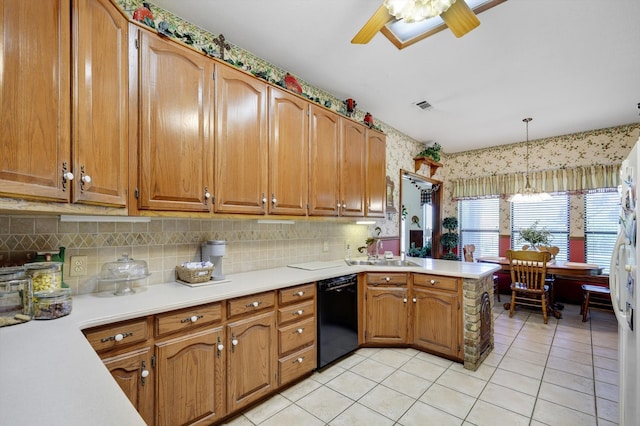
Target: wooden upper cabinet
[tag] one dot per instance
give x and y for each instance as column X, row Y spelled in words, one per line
column 288, row 153
column 241, row 143
column 324, row 162
column 35, row 99
column 176, row 96
column 376, row 183
column 100, row 103
column 353, row 164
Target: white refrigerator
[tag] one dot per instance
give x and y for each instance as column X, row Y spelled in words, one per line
column 624, row 295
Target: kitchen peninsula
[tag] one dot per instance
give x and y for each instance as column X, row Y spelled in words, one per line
column 50, row 371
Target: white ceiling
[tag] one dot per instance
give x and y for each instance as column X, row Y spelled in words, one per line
column 572, row 65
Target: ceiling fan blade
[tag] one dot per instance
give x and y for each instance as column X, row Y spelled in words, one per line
column 460, row 18
column 373, row 25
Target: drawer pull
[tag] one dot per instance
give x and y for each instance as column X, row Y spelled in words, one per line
column 433, row 282
column 299, row 360
column 192, row 319
column 117, row 338
column 144, row 373
column 299, row 293
column 298, row 312
column 220, row 347
column 234, row 342
column 253, row 304
column 299, row 331
column 387, row 279
column 404, row 300
column 415, row 300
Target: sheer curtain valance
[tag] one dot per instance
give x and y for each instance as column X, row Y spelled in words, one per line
column 559, row 180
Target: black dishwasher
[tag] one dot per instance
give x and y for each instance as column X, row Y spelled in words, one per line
column 337, row 318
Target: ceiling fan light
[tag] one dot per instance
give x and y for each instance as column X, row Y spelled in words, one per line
column 417, row 10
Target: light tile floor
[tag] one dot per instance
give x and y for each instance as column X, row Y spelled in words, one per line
column 563, row 373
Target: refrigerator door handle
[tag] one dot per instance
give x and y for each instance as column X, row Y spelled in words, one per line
column 614, row 277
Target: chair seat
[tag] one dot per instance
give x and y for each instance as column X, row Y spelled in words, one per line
column 596, row 289
column 523, row 287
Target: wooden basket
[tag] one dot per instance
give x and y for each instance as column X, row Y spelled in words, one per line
column 191, row 275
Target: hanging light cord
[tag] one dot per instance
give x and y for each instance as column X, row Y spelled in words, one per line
column 527, row 120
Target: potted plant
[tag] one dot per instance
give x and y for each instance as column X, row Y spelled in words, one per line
column 535, row 236
column 431, row 152
column 449, row 239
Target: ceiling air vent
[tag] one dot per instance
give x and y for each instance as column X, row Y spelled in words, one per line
column 423, row 105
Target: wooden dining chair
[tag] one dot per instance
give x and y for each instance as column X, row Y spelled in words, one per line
column 468, row 252
column 528, row 273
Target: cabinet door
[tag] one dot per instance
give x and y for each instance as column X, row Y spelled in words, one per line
column 35, row 99
column 251, row 360
column 324, row 163
column 176, row 101
column 288, row 153
column 133, row 373
column 100, row 103
column 386, row 315
column 190, row 375
column 241, row 143
column 436, row 321
column 352, row 176
column 376, row 183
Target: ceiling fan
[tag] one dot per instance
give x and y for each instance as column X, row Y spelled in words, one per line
column 456, row 14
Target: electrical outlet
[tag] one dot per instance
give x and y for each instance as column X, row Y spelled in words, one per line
column 78, row 266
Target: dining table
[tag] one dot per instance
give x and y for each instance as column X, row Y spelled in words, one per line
column 554, row 267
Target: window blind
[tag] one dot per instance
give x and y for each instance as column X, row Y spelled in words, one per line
column 552, row 215
column 601, row 220
column 479, row 221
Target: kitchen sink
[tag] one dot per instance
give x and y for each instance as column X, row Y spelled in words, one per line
column 382, row 262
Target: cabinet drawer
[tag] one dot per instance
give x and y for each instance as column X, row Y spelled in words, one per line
column 297, row 293
column 296, row 336
column 296, row 312
column 250, row 304
column 187, row 318
column 380, row 278
column 297, row 364
column 436, row 281
column 118, row 335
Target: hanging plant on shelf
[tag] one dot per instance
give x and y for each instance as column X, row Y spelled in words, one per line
column 432, row 152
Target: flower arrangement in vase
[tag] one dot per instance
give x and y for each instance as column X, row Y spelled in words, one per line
column 535, row 236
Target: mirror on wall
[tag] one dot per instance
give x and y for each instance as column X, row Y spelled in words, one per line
column 419, row 215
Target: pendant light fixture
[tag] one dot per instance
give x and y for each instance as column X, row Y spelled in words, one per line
column 529, row 195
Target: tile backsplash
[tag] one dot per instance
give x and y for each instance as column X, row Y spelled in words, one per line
column 165, row 242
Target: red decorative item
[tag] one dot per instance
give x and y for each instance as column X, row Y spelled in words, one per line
column 350, row 104
column 292, row 84
column 143, row 12
column 368, row 119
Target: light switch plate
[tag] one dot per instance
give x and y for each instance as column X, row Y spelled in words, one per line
column 78, row 266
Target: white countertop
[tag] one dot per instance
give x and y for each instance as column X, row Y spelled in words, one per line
column 49, row 374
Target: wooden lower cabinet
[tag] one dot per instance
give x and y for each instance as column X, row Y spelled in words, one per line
column 133, row 373
column 190, row 378
column 251, row 358
column 386, row 315
column 437, row 316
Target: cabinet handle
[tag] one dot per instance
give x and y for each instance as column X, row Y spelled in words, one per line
column 144, row 373
column 434, row 282
column 66, row 175
column 207, row 194
column 253, row 304
column 273, row 199
column 234, row 342
column 415, row 300
column 298, row 312
column 299, row 293
column 344, row 205
column 299, row 360
column 264, row 199
column 387, row 279
column 338, row 204
column 117, row 338
column 85, row 179
column 404, row 300
column 220, row 347
column 192, row 319
column 299, row 331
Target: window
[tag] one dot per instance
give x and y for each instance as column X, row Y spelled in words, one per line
column 480, row 225
column 552, row 215
column 601, row 218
